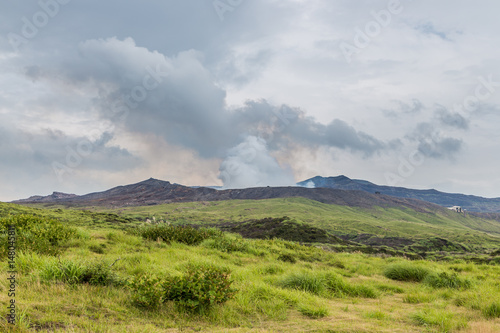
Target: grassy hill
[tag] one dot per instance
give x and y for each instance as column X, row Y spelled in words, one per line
column 469, row 230
column 108, row 275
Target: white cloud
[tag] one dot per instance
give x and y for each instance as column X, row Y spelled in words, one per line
column 359, row 119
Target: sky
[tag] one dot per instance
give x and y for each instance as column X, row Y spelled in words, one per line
column 240, row 93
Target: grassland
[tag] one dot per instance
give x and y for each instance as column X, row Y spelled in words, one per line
column 281, row 286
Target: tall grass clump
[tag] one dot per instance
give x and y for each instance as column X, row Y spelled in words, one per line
column 406, row 272
column 307, row 281
column 337, row 286
column 443, row 320
column 181, row 234
column 446, row 280
column 67, row 271
column 492, row 310
column 37, row 234
column 325, row 284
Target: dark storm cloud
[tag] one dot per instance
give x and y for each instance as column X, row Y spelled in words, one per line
column 176, row 97
column 433, row 144
column 32, row 155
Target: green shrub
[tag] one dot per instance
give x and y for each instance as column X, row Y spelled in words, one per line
column 200, row 288
column 99, row 274
column 38, row 234
column 286, row 257
column 181, row 234
column 97, row 248
column 406, row 272
column 226, row 243
column 445, row 280
column 147, row 290
column 492, row 311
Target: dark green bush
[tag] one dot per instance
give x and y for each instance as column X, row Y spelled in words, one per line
column 98, row 274
column 182, row 234
column 406, row 272
column 38, row 234
column 286, row 257
column 200, row 288
column 445, row 280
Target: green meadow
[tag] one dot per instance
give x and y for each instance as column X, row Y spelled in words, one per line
column 106, row 270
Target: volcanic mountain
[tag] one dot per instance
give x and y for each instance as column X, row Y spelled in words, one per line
column 154, row 191
column 468, row 202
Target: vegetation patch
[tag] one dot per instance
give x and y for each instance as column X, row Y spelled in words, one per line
column 447, row 280
column 325, row 284
column 406, row 272
column 284, row 228
column 38, row 234
column 170, row 233
column 67, row 271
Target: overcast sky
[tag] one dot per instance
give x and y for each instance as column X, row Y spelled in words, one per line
column 95, row 94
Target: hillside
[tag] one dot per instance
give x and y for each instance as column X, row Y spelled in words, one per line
column 400, row 228
column 396, row 227
column 469, row 202
column 102, row 273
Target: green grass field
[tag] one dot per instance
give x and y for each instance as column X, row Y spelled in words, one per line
column 281, row 286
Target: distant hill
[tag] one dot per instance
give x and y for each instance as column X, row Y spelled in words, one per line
column 48, row 198
column 154, row 192
column 469, row 202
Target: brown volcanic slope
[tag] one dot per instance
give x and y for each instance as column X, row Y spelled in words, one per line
column 153, row 191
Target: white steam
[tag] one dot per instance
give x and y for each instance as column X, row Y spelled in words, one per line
column 309, row 184
column 249, row 164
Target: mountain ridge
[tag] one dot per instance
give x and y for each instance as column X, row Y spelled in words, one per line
column 154, row 191
column 469, row 202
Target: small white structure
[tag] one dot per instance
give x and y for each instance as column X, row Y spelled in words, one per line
column 457, row 209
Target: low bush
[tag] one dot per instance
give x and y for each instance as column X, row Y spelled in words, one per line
column 200, row 288
column 286, row 257
column 41, row 235
column 147, row 290
column 445, row 280
column 406, row 272
column 181, row 234
column 227, row 243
